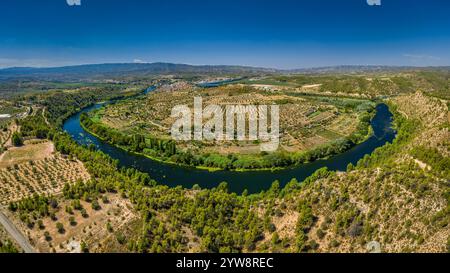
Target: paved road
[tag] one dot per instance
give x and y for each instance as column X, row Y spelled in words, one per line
column 16, row 234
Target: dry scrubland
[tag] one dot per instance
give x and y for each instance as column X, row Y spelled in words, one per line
column 304, row 123
column 36, row 168
column 401, row 203
column 99, row 229
column 7, row 242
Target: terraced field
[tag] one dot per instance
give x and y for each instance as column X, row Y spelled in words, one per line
column 305, row 121
column 362, row 85
column 36, row 168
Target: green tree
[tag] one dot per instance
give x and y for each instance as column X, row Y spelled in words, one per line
column 7, row 247
column 17, row 139
column 84, row 247
column 72, row 221
column 47, row 236
column 60, row 227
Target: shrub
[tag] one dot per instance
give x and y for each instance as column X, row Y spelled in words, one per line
column 60, row 227
column 17, row 139
column 72, row 221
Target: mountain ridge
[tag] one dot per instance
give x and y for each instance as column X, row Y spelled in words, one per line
column 93, row 71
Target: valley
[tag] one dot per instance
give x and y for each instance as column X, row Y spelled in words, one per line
column 68, row 191
column 309, row 125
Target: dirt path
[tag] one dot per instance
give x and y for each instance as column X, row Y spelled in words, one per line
column 44, row 117
column 12, row 129
column 16, row 234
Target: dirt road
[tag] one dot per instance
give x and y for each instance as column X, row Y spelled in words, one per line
column 16, row 234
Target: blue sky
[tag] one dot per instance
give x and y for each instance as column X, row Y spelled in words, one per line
column 276, row 33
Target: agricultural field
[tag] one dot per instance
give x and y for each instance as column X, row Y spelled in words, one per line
column 306, row 122
column 361, row 85
column 36, row 168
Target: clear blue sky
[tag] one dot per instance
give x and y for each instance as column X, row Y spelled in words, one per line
column 276, row 33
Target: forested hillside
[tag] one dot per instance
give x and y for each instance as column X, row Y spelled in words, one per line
column 397, row 196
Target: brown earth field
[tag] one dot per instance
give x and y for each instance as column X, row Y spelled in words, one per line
column 36, row 168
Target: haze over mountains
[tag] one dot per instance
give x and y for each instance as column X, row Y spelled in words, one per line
column 99, row 71
column 122, row 69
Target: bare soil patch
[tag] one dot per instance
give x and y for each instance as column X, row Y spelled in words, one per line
column 36, row 168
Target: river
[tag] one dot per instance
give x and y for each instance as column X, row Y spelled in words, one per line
column 253, row 181
column 218, row 83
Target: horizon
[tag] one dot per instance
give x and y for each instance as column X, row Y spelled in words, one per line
column 285, row 35
column 228, row 65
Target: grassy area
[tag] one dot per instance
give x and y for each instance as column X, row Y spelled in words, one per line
column 32, row 150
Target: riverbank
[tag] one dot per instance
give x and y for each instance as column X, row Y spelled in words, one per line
column 157, row 159
column 238, row 180
column 296, row 159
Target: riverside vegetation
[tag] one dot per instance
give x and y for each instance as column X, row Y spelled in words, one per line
column 312, row 128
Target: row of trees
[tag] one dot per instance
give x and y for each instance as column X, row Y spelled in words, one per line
column 167, row 150
column 135, row 143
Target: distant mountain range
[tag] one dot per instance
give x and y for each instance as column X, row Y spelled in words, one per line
column 123, row 70
column 99, row 71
